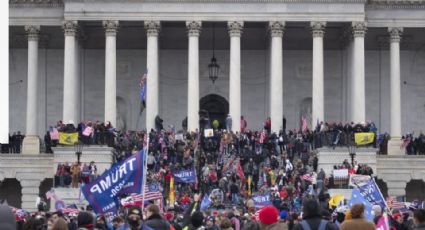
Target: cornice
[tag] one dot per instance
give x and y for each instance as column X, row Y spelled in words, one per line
column 35, row 3
column 396, row 4
column 233, row 1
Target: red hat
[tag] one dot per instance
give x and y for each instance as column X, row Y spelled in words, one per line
column 396, row 215
column 268, row 215
column 168, row 215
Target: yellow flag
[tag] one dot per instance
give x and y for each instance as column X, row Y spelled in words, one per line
column 171, row 197
column 364, row 138
column 68, row 138
column 335, row 200
column 249, row 185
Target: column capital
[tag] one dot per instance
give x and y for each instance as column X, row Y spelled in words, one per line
column 194, row 28
column 70, row 27
column 32, row 32
column 318, row 29
column 152, row 28
column 359, row 29
column 111, row 27
column 395, row 33
column 235, row 28
column 276, row 28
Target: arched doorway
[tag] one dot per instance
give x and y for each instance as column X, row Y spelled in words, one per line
column 217, row 107
column 382, row 185
column 11, row 192
column 415, row 189
column 44, row 187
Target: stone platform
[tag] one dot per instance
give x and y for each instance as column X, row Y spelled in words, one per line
column 328, row 157
column 101, row 155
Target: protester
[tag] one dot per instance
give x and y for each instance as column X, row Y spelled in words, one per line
column 419, row 219
column 154, row 219
column 357, row 220
column 269, row 217
column 85, row 221
column 7, row 219
column 312, row 217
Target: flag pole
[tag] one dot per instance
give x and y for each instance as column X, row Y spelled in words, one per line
column 145, row 154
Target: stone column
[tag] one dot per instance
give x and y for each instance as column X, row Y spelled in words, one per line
column 70, row 87
column 152, row 32
column 193, row 31
column 235, row 32
column 276, row 75
column 31, row 143
column 110, row 72
column 30, row 191
column 395, row 104
column 395, row 113
column 358, row 78
column 318, row 110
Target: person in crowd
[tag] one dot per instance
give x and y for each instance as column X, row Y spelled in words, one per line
column 7, row 219
column 229, row 122
column 269, row 219
column 117, row 223
column 154, row 219
column 210, row 223
column 244, row 124
column 60, row 224
column 377, row 213
column 419, row 219
column 85, row 221
column 75, row 172
column 134, row 218
column 93, row 171
column 312, row 217
column 357, row 220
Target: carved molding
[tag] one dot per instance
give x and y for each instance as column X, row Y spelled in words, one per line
column 70, row 28
column 276, row 28
column 152, row 28
column 111, row 27
column 318, row 29
column 395, row 33
column 35, row 3
column 235, row 28
column 359, row 29
column 32, row 32
column 194, row 28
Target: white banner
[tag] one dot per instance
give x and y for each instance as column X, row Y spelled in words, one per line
column 359, row 180
column 208, row 132
column 340, row 173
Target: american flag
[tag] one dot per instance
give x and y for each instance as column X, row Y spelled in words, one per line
column 257, row 215
column 307, row 177
column 394, row 204
column 151, row 193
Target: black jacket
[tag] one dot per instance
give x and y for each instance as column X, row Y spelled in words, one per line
column 157, row 222
column 314, row 224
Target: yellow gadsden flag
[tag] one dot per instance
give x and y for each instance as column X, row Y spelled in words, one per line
column 68, row 138
column 335, row 200
column 364, row 138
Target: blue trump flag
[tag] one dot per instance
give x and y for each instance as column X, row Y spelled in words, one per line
column 124, row 178
column 357, row 198
column 206, row 202
column 371, row 193
column 185, row 176
column 261, row 201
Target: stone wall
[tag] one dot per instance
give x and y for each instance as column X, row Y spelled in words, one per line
column 131, row 64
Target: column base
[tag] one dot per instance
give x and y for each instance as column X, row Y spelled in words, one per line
column 394, row 145
column 31, row 145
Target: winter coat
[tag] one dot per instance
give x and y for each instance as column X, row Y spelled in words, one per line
column 157, row 222
column 354, row 224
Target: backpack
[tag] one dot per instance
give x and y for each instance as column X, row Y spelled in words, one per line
column 306, row 225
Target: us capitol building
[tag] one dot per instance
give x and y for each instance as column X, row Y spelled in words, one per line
column 332, row 60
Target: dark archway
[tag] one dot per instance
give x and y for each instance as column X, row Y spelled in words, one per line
column 11, row 192
column 217, row 107
column 415, row 189
column 45, row 186
column 383, row 187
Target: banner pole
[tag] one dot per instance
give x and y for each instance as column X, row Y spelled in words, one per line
column 145, row 153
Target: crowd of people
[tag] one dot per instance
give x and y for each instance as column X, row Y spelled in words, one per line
column 73, row 175
column 314, row 216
